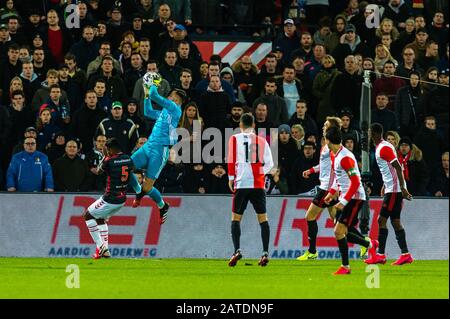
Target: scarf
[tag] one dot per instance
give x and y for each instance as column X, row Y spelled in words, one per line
column 403, row 159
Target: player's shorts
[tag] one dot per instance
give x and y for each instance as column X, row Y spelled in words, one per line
column 103, row 210
column 349, row 215
column 319, row 199
column 392, row 205
column 152, row 158
column 256, row 196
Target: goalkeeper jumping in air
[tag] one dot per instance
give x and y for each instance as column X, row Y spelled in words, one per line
column 153, row 155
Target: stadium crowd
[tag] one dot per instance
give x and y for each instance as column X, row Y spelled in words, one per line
column 64, row 91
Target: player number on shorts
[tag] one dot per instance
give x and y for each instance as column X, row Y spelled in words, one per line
column 125, row 174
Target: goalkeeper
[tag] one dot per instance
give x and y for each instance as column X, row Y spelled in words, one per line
column 153, row 155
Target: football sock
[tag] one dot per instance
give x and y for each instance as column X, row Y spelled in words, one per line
column 103, row 229
column 236, row 234
column 265, row 235
column 312, row 236
column 355, row 237
column 135, row 184
column 93, row 230
column 382, row 238
column 401, row 240
column 156, row 196
column 343, row 248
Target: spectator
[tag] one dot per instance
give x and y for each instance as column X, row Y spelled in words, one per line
column 123, row 55
column 104, row 50
column 145, row 50
column 298, row 185
column 119, row 126
column 346, row 116
column 431, row 57
column 276, row 182
column 132, row 113
column 313, row 67
column 196, row 180
column 340, row 23
column 304, row 119
column 215, row 104
column 134, row 73
column 186, row 85
column 322, row 88
column 159, row 25
column 291, row 89
column 245, row 77
column 405, row 37
column 57, row 147
column 409, row 106
column 11, row 66
column 419, row 43
column 94, row 157
column 298, row 135
column 214, row 70
column 117, row 26
column 414, row 168
column 115, row 87
column 20, row 117
column 218, row 180
column 30, row 80
column 398, row 11
column 383, row 115
column 103, row 101
column 41, row 63
column 73, row 80
column 71, row 173
column 394, row 138
column 146, row 9
column 5, row 127
column 387, row 27
column 383, row 55
column 438, row 31
column 180, row 10
column 287, row 150
column 29, row 170
column 431, row 76
column 431, row 144
column 408, row 65
column 305, row 51
column 323, row 34
column 369, row 65
column 277, row 110
column 46, row 129
column 262, row 125
column 179, row 35
column 60, row 109
column 85, row 49
column 439, row 183
column 59, row 40
column 86, row 120
column 43, row 93
column 288, row 41
column 186, row 61
column 15, row 85
column 169, row 70
column 347, row 88
column 388, row 84
column 350, row 43
column 234, row 118
column 172, row 175
column 268, row 70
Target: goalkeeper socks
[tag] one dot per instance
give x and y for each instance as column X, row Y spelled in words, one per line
column 401, row 240
column 103, row 229
column 265, row 235
column 312, row 236
column 236, row 234
column 343, row 248
column 93, row 230
column 135, row 184
column 156, row 196
column 355, row 237
column 382, row 238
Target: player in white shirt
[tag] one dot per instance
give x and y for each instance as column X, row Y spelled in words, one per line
column 326, row 177
column 393, row 191
column 351, row 192
column 249, row 160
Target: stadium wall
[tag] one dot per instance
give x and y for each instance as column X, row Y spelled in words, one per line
column 51, row 225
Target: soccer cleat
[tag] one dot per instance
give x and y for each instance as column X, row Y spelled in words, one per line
column 377, row 259
column 403, row 259
column 373, row 250
column 137, row 200
column 104, row 252
column 235, row 258
column 342, row 271
column 163, row 213
column 264, row 260
column 363, row 250
column 308, row 256
column 96, row 255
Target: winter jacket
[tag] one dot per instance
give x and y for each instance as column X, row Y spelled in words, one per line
column 409, row 109
column 95, row 65
column 85, row 52
column 214, row 107
column 322, row 89
column 29, row 172
column 276, row 108
column 41, row 96
column 71, row 175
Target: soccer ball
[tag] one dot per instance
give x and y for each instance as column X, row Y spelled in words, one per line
column 151, row 78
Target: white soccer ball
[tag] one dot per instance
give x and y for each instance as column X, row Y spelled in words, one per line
column 151, row 78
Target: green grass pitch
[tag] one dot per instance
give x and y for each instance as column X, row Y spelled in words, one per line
column 212, row 278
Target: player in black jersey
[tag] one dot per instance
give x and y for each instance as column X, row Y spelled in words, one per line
column 117, row 167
